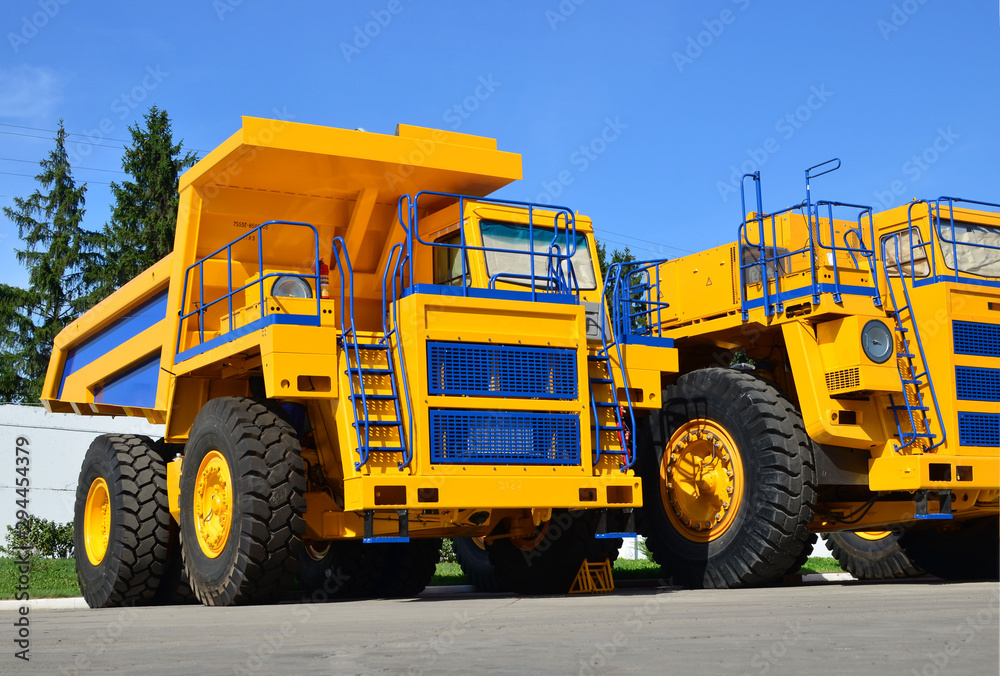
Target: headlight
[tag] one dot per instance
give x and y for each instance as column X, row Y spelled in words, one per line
column 877, row 341
column 291, row 287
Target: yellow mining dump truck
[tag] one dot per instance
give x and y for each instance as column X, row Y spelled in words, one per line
column 354, row 353
column 864, row 398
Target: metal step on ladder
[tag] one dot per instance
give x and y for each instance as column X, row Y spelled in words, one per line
column 603, row 398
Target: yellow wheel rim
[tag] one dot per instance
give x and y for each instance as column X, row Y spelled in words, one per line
column 701, row 480
column 97, row 521
column 874, row 535
column 213, row 504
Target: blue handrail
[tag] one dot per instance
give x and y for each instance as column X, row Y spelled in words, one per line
column 386, row 332
column 937, row 228
column 350, row 339
column 408, row 218
column 230, row 291
column 915, row 377
column 814, row 242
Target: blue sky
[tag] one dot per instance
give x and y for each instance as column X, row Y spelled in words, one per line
column 637, row 114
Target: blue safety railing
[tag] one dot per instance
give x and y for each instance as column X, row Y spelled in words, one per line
column 938, row 239
column 559, row 276
column 202, row 306
column 636, row 308
column 770, row 258
column 914, row 381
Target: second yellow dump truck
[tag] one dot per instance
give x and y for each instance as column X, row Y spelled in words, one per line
column 864, row 400
column 353, row 353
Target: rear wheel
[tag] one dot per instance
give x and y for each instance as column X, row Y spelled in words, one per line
column 728, row 478
column 475, row 562
column 409, row 567
column 121, row 525
column 340, row 569
column 969, row 550
column 242, row 501
column 872, row 555
column 549, row 562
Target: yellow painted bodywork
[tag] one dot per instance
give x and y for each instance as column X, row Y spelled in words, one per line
column 811, row 349
column 224, row 333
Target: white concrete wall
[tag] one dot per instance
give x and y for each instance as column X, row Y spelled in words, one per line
column 57, row 444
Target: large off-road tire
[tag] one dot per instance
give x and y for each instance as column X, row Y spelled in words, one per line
column 341, row 569
column 409, row 567
column 174, row 587
column 549, row 562
column 121, row 526
column 475, row 562
column 728, row 481
column 242, row 504
column 872, row 555
column 968, row 550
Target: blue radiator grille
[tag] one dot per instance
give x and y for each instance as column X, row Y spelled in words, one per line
column 501, row 371
column 978, row 429
column 504, row 438
column 977, row 384
column 982, row 340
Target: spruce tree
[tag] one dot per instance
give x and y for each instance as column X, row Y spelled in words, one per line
column 56, row 252
column 144, row 215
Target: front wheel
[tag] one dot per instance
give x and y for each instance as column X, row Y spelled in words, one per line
column 242, row 503
column 727, row 475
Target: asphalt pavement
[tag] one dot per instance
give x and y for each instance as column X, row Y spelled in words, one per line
column 923, row 627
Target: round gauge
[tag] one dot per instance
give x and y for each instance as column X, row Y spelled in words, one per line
column 877, row 341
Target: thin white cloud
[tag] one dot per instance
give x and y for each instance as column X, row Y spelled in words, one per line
column 29, row 92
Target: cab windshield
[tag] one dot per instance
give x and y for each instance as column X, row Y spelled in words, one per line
column 515, row 268
column 976, row 246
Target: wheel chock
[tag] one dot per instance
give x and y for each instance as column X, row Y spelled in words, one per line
column 593, row 578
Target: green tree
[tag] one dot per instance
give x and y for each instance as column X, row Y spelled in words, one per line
column 617, row 256
column 144, row 215
column 56, row 252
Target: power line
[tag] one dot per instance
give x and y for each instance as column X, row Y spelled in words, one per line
column 10, row 173
column 70, row 133
column 110, row 171
column 46, row 138
column 621, row 234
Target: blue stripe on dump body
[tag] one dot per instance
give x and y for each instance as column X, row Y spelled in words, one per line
column 136, row 387
column 978, row 429
column 977, row 339
column 977, row 384
column 476, row 369
column 118, row 333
